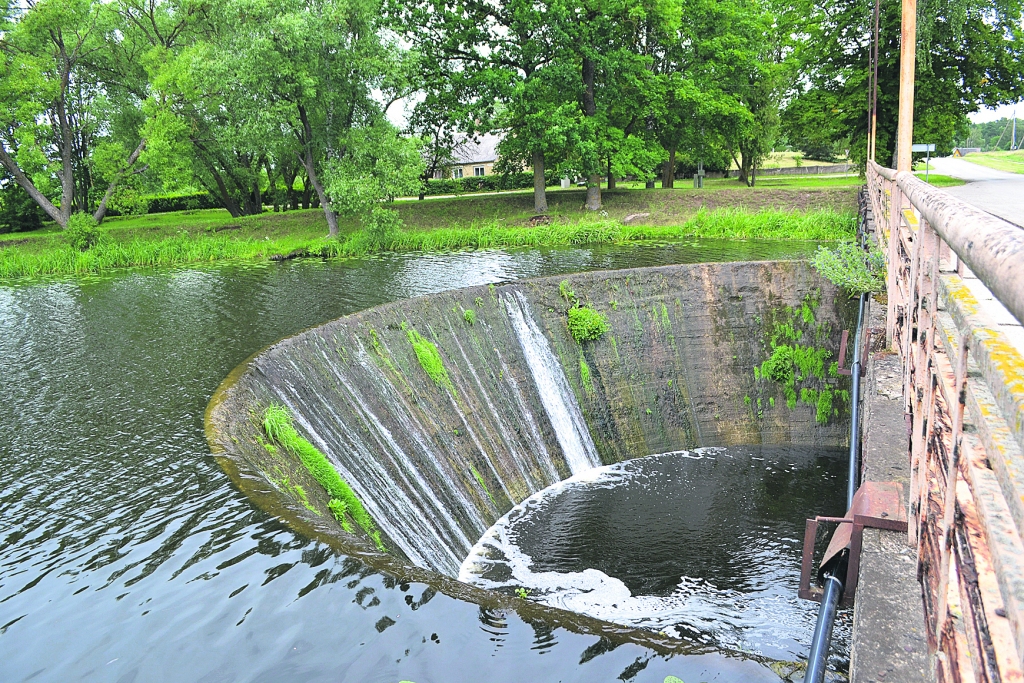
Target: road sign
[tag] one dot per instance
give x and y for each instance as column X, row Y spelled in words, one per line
column 928, row 148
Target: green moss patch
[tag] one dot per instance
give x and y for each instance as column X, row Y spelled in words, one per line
column 586, row 324
column 344, row 503
column 430, row 360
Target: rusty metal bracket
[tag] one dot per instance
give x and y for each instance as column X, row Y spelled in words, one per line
column 843, row 344
column 876, row 505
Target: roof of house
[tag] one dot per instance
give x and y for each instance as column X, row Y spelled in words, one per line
column 483, row 149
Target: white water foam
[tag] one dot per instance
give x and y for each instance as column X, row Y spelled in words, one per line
column 696, row 608
column 555, row 393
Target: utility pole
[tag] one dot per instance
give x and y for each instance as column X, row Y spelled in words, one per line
column 908, row 56
column 873, row 94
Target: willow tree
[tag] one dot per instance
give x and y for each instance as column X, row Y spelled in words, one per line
column 66, row 91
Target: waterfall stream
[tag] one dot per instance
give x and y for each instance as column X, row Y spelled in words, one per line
column 555, row 393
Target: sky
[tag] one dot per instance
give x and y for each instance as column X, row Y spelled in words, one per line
column 1004, row 112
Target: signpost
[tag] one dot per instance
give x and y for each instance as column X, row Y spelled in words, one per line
column 927, row 149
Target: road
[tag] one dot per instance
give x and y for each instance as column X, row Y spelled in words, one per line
column 997, row 192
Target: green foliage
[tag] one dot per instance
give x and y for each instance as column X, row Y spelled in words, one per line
column 586, row 324
column 565, row 291
column 81, row 233
column 851, row 268
column 469, row 315
column 522, row 592
column 380, row 166
column 488, row 183
column 799, row 369
column 430, row 360
column 483, row 484
column 18, row 212
column 993, row 135
column 277, row 424
column 588, row 382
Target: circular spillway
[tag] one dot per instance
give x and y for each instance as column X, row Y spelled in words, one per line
column 404, row 433
column 699, row 544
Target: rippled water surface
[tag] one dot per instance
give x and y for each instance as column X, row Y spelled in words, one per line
column 127, row 555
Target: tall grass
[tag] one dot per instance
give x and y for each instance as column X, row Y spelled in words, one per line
column 185, row 248
column 824, row 225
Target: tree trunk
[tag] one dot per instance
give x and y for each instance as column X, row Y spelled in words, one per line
column 540, row 198
column 611, row 177
column 594, row 192
column 26, row 184
column 741, row 173
column 590, row 110
column 668, row 171
column 288, row 173
column 101, row 210
column 310, row 165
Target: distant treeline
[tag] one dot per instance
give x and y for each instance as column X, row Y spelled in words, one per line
column 994, row 136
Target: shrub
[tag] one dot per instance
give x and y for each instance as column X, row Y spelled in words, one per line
column 183, row 202
column 851, row 268
column 470, row 316
column 487, row 183
column 81, row 232
column 586, row 324
column 127, row 201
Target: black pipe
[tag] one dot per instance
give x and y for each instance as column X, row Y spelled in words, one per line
column 835, row 577
column 856, row 370
column 818, row 657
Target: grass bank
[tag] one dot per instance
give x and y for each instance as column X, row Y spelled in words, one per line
column 1012, row 162
column 441, row 224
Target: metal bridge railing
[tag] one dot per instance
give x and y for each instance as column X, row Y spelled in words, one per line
column 963, row 390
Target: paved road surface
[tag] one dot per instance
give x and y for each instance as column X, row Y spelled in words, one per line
column 997, row 192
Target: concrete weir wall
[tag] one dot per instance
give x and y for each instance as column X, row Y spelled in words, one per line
column 517, row 403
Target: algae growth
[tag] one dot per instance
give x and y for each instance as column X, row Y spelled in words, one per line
column 344, row 503
column 430, row 360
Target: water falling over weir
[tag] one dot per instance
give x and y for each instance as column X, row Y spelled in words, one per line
column 437, row 465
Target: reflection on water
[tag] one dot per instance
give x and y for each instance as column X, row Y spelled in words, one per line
column 125, row 553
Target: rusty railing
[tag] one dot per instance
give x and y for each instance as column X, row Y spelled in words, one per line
column 963, row 389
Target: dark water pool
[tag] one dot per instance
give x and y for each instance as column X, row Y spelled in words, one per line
column 127, row 555
column 702, row 545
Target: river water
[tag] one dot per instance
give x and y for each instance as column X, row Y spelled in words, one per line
column 127, row 555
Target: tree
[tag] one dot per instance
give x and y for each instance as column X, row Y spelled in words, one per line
column 970, row 53
column 58, row 76
column 486, row 68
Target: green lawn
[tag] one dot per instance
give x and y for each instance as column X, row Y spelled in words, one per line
column 471, row 221
column 939, row 180
column 1012, row 162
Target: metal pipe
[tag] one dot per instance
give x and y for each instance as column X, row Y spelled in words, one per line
column 856, row 370
column 817, row 660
